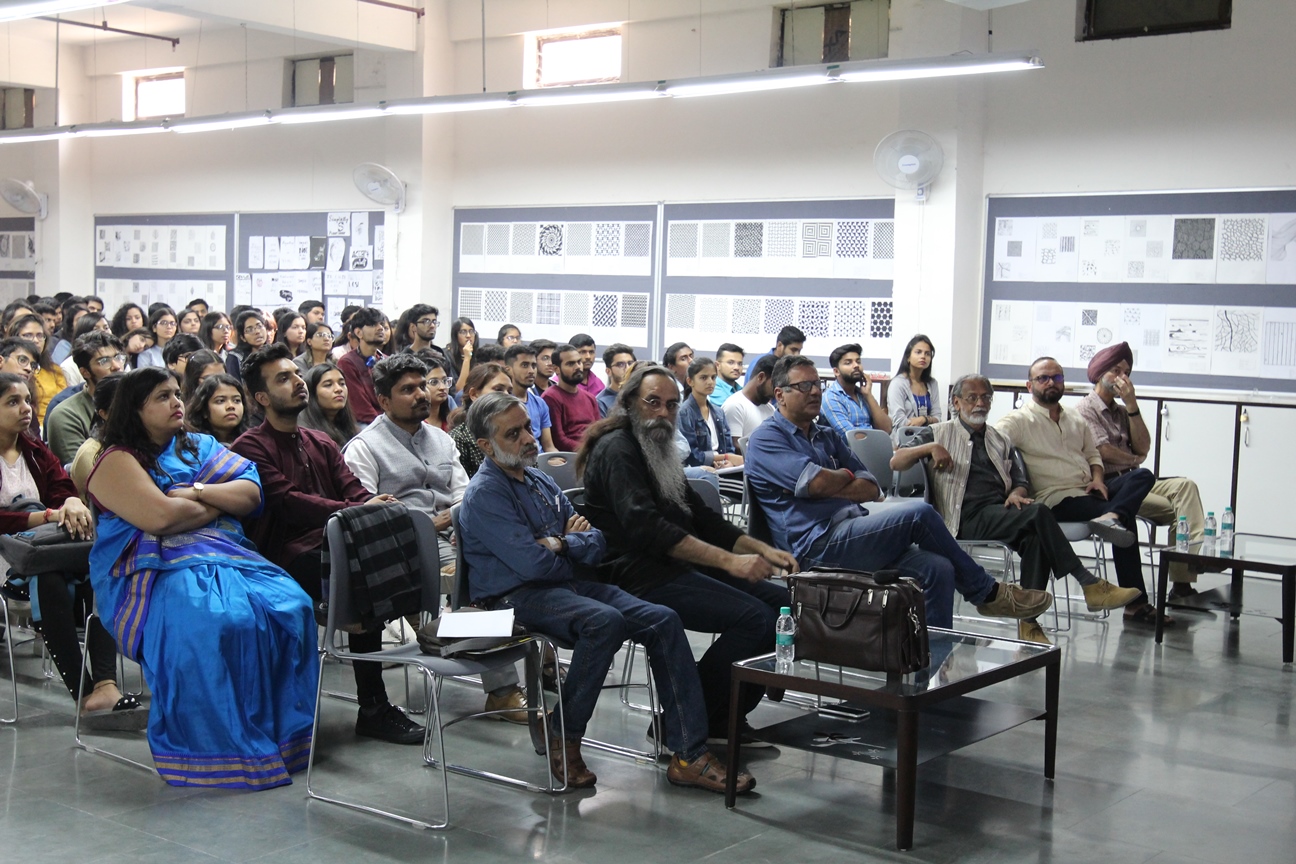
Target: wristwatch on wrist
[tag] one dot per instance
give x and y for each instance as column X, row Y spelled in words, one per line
column 198, row 490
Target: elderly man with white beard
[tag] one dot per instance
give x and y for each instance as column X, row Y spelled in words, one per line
column 666, row 546
column 982, row 495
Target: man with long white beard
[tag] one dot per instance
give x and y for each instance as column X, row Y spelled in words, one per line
column 982, row 495
column 666, row 546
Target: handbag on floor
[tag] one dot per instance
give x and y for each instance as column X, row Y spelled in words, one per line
column 872, row 621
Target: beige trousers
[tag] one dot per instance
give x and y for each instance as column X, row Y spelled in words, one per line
column 1170, row 498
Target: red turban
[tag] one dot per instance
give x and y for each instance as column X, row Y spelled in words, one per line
column 1107, row 358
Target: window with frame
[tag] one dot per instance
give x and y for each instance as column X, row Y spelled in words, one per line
column 323, row 80
column 18, row 108
column 833, row 33
column 585, row 57
column 1119, row 19
column 161, row 95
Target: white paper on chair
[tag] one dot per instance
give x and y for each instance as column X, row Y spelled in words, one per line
column 455, row 625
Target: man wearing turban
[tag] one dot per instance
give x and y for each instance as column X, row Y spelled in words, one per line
column 1123, row 439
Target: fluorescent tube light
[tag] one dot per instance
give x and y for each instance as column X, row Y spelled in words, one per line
column 114, row 130
column 447, row 104
column 213, row 124
column 16, row 10
column 753, row 83
column 324, row 113
column 589, row 94
column 962, row 64
column 48, row 134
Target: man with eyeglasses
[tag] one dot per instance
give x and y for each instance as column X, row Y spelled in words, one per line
column 1066, row 475
column 520, row 361
column 815, row 492
column 67, row 424
column 617, row 359
column 983, row 495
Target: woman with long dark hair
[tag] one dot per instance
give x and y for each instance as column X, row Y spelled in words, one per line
column 438, row 387
column 163, row 325
column 62, row 349
column 226, row 639
column 219, row 408
column 215, row 331
column 702, row 424
column 291, row 330
column 48, row 379
column 201, row 366
column 460, row 348
column 484, row 378
column 128, row 317
column 316, row 347
column 190, row 322
column 913, row 397
column 326, row 408
column 250, row 329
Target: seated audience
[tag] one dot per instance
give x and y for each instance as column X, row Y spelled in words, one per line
column 790, row 340
column 544, row 364
column 88, row 453
column 219, row 408
column 316, row 348
column 584, row 345
column 1124, row 441
column 128, row 317
column 47, row 378
column 571, row 409
column 201, row 365
column 617, row 360
column 508, row 336
column 416, row 330
column 488, row 354
column 328, row 408
column 527, row 550
column 367, row 334
column 215, row 332
column 250, row 329
column 72, row 313
column 136, row 343
column 34, row 491
column 312, row 311
column 226, row 640
column 520, row 361
column 460, row 349
column 438, row 386
column 812, row 488
column 729, row 369
column 913, row 396
column 89, row 321
column 190, row 322
column 290, row 329
column 487, row 378
column 178, row 351
column 97, row 356
column 163, row 325
column 982, row 495
column 1066, row 475
column 848, row 402
column 666, row 546
column 306, row 481
column 754, row 403
column 704, row 427
column 678, row 358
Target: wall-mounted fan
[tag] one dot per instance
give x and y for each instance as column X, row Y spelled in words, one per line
column 379, row 183
column 909, row 160
column 22, row 196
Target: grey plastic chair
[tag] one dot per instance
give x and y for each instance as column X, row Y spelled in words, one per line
column 561, row 466
column 341, row 614
column 874, row 448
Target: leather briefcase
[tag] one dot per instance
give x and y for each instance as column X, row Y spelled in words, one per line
column 872, row 621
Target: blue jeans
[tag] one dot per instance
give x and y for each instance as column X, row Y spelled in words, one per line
column 885, row 540
column 1126, row 496
column 595, row 619
column 742, row 612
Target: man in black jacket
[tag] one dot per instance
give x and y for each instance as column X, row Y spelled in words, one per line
column 666, row 546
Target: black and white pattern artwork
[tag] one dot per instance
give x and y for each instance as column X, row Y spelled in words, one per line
column 1104, row 335
column 1048, row 256
column 1014, row 249
column 548, row 307
column 746, row 315
column 1048, row 231
column 524, row 238
column 778, row 314
column 579, row 238
column 1156, row 249
column 551, row 239
column 1088, row 317
column 683, row 240
column 495, row 306
column 1005, row 227
column 715, row 239
column 883, row 241
column 713, row 314
column 749, row 239
column 1091, row 227
column 576, row 309
column 816, row 239
column 1152, row 338
column 850, row 318
column 1089, row 268
column 1236, row 331
column 880, row 315
column 1087, row 352
column 812, row 318
column 780, row 239
column 1111, row 248
column 1132, row 315
column 520, row 307
column 470, row 303
column 605, row 310
column 1135, row 270
column 680, row 309
column 1066, row 244
column 634, row 310
column 473, row 240
column 638, row 240
column 852, row 238
column 607, row 238
column 1242, row 239
column 1138, row 228
column 1194, row 240
column 497, row 238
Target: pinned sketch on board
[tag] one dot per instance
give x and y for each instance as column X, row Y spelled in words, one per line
column 242, row 289
column 380, row 242
column 1280, row 263
column 336, row 253
column 1054, row 333
column 1011, row 328
column 272, row 253
column 256, row 253
column 339, row 224
column 361, row 258
column 359, row 229
column 1235, row 340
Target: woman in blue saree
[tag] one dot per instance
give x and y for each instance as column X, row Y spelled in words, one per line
column 225, row 638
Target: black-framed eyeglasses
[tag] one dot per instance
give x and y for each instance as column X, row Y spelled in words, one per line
column 807, row 387
column 426, row 322
column 623, row 364
column 1045, row 379
column 671, row 405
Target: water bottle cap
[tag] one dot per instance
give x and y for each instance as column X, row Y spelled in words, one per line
column 1228, row 509
column 1210, row 512
column 785, row 610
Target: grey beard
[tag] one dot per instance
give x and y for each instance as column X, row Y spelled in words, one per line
column 664, row 466
column 512, row 463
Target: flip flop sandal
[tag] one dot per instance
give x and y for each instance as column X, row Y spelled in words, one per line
column 128, row 715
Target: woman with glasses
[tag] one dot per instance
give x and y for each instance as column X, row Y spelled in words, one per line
column 508, row 336
column 315, row 347
column 327, row 410
column 252, row 334
column 438, row 387
column 460, row 348
column 215, row 332
column 47, row 378
column 163, row 325
column 913, row 397
column 485, row 378
column 190, row 322
column 704, row 428
column 87, row 322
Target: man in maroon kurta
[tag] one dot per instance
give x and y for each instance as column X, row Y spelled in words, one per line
column 571, row 409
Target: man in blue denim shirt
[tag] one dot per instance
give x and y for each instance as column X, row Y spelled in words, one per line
column 527, row 549
column 811, row 486
column 848, row 402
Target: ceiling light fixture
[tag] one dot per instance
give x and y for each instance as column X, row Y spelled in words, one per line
column 16, row 10
column 216, row 124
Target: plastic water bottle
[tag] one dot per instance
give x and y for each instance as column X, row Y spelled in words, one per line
column 1209, row 536
column 1226, row 532
column 784, row 641
column 1181, row 535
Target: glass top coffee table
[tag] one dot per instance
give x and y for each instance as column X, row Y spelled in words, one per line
column 902, row 722
column 1257, row 553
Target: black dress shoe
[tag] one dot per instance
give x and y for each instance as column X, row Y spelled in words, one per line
column 388, row 723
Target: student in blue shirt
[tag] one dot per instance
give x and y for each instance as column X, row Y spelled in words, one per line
column 848, row 402
column 520, row 361
column 527, row 549
column 729, row 373
column 790, row 341
column 618, row 359
column 811, row 487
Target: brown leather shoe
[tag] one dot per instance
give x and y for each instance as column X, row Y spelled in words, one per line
column 705, row 772
column 579, row 776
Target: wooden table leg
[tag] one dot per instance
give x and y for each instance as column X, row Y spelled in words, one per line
column 1052, row 674
column 906, row 776
column 1289, row 614
column 1163, row 578
column 735, row 742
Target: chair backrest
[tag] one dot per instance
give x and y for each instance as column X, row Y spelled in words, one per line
column 561, row 466
column 740, row 444
column 874, row 448
column 459, row 593
column 757, row 522
column 1020, row 462
column 708, row 493
column 913, row 482
column 341, row 611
